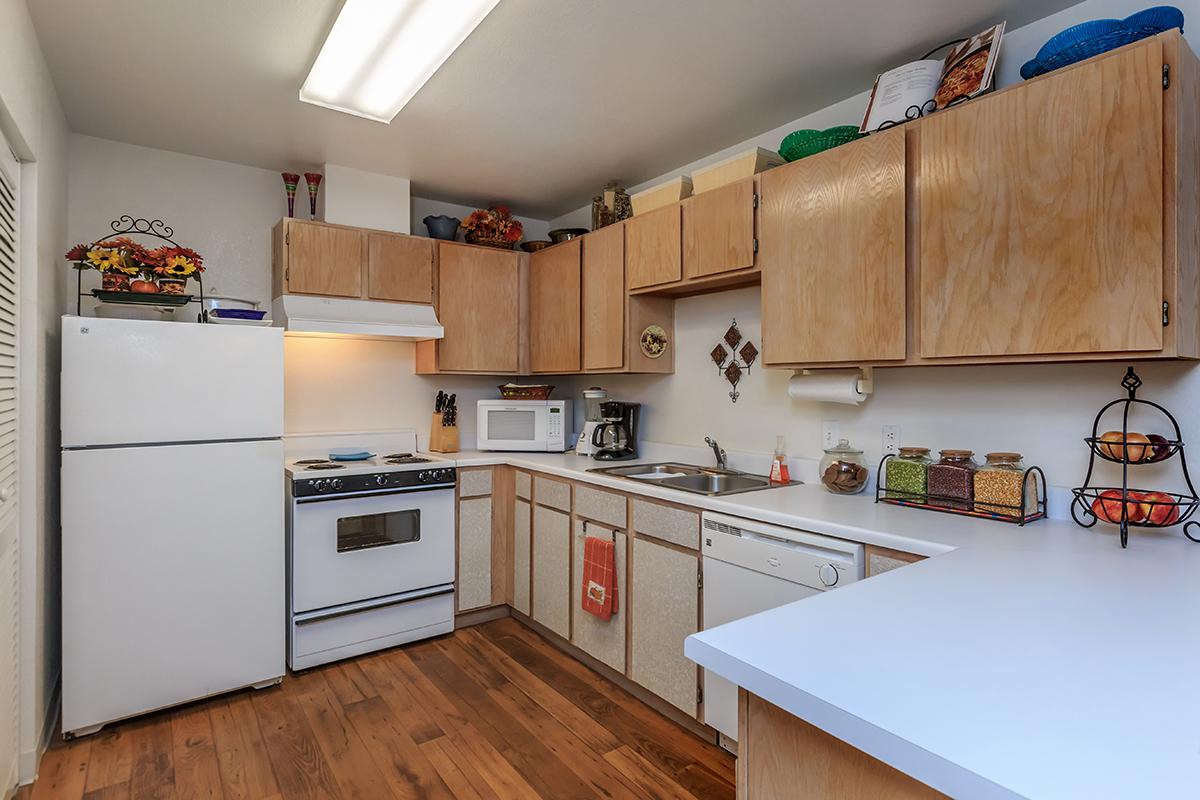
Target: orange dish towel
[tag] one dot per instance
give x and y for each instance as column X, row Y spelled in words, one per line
column 599, row 577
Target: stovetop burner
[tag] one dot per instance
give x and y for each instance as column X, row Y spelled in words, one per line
column 324, row 465
column 304, row 462
column 409, row 459
column 397, row 455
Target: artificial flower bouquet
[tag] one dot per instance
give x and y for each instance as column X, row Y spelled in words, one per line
column 494, row 227
column 127, row 266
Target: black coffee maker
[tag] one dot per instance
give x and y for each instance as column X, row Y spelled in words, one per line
column 615, row 438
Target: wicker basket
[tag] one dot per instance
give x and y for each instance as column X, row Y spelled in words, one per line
column 498, row 242
column 511, row 391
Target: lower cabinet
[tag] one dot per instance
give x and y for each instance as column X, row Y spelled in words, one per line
column 603, row 640
column 522, row 521
column 665, row 610
column 883, row 559
column 474, row 589
column 551, row 570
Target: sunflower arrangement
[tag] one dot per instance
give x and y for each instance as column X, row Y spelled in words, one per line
column 494, row 227
column 164, row 269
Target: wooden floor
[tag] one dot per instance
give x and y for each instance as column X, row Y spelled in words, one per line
column 492, row 711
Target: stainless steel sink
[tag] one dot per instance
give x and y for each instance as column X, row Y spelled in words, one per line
column 691, row 478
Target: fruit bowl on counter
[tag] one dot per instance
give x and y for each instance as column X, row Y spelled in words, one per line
column 1143, row 508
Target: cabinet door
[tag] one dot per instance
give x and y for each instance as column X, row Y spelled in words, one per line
column 474, row 589
column 1041, row 215
column 603, row 301
column 718, row 230
column 552, row 570
column 603, row 640
column 883, row 559
column 521, row 544
column 665, row 610
column 478, row 307
column 653, row 248
column 325, row 260
column 832, row 254
column 399, row 268
column 554, row 308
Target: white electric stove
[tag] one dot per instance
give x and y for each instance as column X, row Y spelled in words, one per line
column 370, row 546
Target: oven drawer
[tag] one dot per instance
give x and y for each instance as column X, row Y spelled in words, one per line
column 327, row 635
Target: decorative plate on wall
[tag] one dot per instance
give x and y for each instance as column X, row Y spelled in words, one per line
column 653, row 341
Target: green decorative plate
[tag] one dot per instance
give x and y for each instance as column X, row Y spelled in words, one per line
column 800, row 144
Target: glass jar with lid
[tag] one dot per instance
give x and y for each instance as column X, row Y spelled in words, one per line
column 907, row 474
column 998, row 486
column 951, row 481
column 842, row 469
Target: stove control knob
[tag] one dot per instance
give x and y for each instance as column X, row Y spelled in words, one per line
column 828, row 574
column 319, row 485
column 336, row 484
column 423, row 477
column 381, row 480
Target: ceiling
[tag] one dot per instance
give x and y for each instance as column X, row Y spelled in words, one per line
column 541, row 105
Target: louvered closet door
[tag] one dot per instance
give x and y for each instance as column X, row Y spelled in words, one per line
column 9, row 560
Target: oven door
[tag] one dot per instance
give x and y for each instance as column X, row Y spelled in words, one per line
column 512, row 427
column 345, row 550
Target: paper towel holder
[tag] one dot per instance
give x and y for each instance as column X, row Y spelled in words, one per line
column 865, row 383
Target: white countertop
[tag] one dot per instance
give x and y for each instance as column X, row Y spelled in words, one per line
column 1035, row 662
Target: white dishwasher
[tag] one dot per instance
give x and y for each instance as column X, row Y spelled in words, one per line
column 751, row 567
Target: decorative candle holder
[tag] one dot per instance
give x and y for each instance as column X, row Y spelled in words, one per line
column 313, row 179
column 290, row 181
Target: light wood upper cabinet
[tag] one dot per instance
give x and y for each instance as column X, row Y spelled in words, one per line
column 1041, row 215
column 653, row 253
column 399, row 268
column 718, row 230
column 603, row 298
column 832, row 255
column 554, row 308
column 324, row 259
column 478, row 306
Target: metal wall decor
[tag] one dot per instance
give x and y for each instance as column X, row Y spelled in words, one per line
column 732, row 361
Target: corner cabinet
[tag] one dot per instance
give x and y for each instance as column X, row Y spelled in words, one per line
column 554, row 309
column 833, row 255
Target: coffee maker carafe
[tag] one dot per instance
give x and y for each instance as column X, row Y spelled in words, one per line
column 615, row 438
column 593, row 399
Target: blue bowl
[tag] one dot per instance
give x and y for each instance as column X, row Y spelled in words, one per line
column 238, row 313
column 1087, row 39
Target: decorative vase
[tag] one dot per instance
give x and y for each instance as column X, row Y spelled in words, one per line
column 442, row 227
column 313, row 179
column 114, row 282
column 290, row 181
column 172, row 285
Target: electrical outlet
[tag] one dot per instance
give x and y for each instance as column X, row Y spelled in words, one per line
column 831, row 431
column 891, row 439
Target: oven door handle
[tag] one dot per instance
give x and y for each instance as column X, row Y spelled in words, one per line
column 325, row 498
column 322, row 614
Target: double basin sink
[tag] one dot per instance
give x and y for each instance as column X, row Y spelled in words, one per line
column 710, row 481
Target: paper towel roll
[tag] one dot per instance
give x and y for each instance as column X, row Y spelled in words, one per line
column 828, row 386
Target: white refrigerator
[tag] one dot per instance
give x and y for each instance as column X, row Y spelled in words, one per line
column 172, row 514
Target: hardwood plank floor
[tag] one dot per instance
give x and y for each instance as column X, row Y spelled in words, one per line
column 493, row 711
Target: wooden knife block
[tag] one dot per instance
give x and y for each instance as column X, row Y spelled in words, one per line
column 442, row 438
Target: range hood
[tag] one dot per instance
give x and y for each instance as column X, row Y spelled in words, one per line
column 360, row 319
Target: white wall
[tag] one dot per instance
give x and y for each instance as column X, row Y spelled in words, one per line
column 1041, row 411
column 364, row 199
column 33, row 122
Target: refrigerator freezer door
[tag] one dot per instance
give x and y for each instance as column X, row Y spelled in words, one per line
column 172, row 575
column 137, row 381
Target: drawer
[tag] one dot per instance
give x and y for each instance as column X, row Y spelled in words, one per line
column 552, row 493
column 676, row 525
column 524, row 485
column 606, row 507
column 474, row 482
column 332, row 634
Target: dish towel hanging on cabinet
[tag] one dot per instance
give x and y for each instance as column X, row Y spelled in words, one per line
column 599, row 577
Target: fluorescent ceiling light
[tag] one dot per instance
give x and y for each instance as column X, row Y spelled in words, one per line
column 380, row 54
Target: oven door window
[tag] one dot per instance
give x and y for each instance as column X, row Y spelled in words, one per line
column 378, row 530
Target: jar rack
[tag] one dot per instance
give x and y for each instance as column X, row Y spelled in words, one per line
column 929, row 502
column 1176, row 509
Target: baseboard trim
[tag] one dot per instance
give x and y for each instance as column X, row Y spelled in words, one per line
column 466, row 619
column 30, row 760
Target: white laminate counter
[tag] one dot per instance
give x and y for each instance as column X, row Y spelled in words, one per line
column 1035, row 662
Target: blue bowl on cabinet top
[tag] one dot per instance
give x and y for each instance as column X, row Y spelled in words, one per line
column 1087, row 39
column 349, row 454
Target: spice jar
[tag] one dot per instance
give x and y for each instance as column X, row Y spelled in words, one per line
column 842, row 469
column 951, row 480
column 907, row 474
column 998, row 486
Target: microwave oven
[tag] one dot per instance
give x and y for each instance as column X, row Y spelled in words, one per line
column 539, row 426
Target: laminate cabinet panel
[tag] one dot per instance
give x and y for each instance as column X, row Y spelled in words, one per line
column 524, row 485
column 599, row 505
column 479, row 302
column 1041, row 215
column 603, row 640
column 399, row 268
column 522, row 521
column 832, row 255
column 675, row 525
column 603, row 298
column 552, row 570
column 549, row 492
column 474, row 587
column 882, row 559
column 473, row 482
column 324, row 259
column 554, row 309
column 653, row 248
column 665, row 610
column 718, row 230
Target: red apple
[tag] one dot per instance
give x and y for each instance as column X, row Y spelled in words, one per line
column 144, row 287
column 1157, row 508
column 1108, row 507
